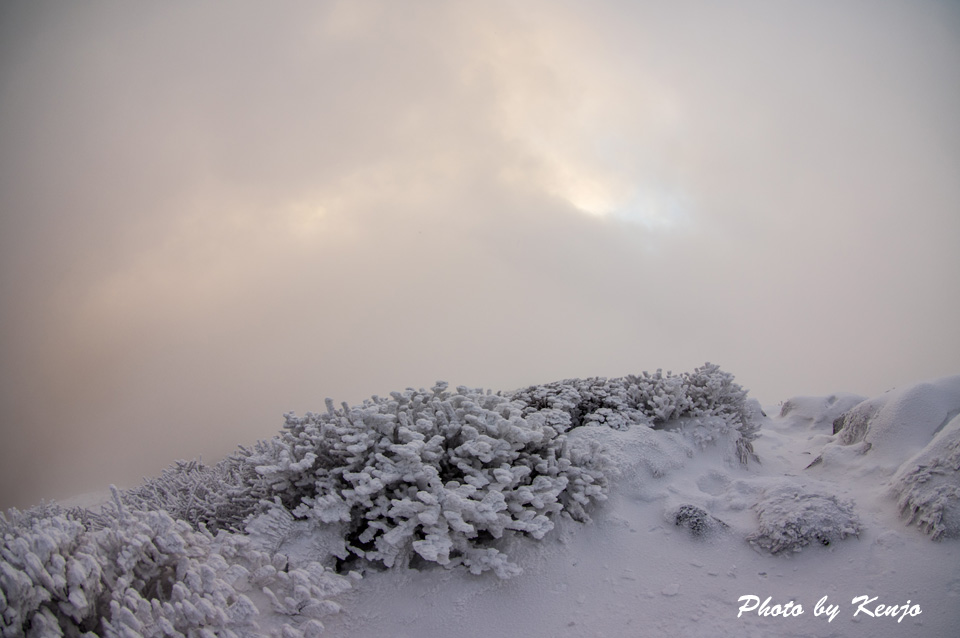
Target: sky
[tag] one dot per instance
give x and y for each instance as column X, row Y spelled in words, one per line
column 215, row 213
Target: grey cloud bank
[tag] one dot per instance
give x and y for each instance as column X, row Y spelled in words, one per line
column 212, row 215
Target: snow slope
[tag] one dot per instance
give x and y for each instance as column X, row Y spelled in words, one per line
column 688, row 532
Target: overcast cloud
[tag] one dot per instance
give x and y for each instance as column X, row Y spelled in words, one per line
column 214, row 213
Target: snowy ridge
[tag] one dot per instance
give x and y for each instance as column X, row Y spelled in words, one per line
column 589, row 506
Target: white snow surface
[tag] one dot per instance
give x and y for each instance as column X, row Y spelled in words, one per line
column 634, row 571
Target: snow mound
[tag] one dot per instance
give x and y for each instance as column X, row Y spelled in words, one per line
column 792, row 518
column 895, row 426
column 928, row 485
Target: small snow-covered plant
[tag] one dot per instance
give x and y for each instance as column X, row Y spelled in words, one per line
column 429, row 476
column 697, row 521
column 705, row 431
column 791, row 519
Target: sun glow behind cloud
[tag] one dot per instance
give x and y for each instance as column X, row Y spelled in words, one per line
column 582, row 129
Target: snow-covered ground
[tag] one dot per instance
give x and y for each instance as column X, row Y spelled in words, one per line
column 689, row 536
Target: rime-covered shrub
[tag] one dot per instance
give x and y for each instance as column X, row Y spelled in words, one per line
column 707, row 398
column 698, row 521
column 928, row 485
column 790, row 519
column 576, row 402
column 429, row 476
column 36, row 591
column 143, row 574
column 213, row 496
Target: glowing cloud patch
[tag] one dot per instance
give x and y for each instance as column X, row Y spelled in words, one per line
column 611, row 195
column 656, row 209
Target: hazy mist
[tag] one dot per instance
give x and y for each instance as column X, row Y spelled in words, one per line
column 211, row 214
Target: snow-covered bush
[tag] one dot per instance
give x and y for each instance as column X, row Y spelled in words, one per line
column 928, row 485
column 697, row 521
column 790, row 519
column 36, row 591
column 434, row 476
column 575, row 402
column 142, row 574
column 214, row 496
column 707, row 398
